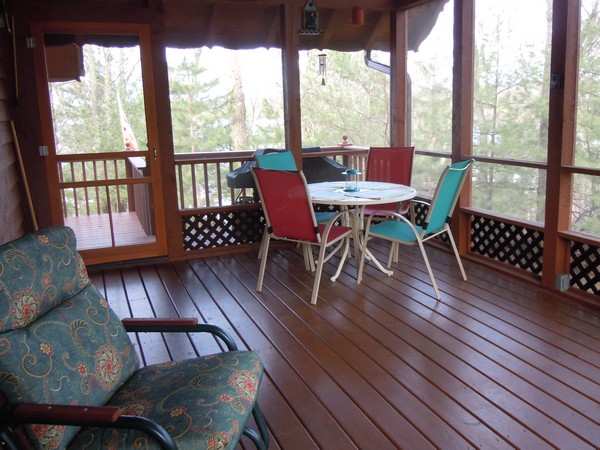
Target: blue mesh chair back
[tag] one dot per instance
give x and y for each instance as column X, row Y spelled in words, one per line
column 276, row 161
column 446, row 195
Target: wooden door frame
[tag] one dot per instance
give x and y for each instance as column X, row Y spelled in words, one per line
column 142, row 31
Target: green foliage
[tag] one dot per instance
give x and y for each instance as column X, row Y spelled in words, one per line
column 354, row 101
column 86, row 113
column 510, row 115
column 268, row 130
column 588, row 111
column 201, row 119
column 431, row 112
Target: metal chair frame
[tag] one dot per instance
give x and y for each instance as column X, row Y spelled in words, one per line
column 400, row 230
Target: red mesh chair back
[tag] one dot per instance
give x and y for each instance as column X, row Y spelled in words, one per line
column 286, row 204
column 392, row 165
column 289, row 215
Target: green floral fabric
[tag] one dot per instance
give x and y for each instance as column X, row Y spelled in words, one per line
column 203, row 403
column 38, row 272
column 60, row 342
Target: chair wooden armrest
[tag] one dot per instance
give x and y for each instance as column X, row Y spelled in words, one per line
column 177, row 324
column 159, row 321
column 82, row 415
column 76, row 414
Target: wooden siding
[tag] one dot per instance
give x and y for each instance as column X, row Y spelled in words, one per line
column 11, row 212
column 497, row 363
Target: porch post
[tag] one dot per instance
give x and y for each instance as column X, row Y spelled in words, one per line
column 290, row 24
column 398, row 78
column 564, row 62
column 462, row 111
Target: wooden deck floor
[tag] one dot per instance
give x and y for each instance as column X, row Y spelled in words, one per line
column 104, row 230
column 495, row 364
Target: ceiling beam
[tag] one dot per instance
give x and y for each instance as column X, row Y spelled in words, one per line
column 374, row 5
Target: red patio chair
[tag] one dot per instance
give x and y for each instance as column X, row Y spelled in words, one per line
column 392, row 165
column 285, row 161
column 289, row 216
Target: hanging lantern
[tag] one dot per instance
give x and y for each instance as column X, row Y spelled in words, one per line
column 310, row 19
column 322, row 67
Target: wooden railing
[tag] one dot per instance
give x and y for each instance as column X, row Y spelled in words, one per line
column 202, row 177
column 100, row 183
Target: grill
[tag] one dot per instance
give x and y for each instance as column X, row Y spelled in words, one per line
column 314, row 169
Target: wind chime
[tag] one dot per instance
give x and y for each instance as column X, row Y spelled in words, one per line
column 322, row 67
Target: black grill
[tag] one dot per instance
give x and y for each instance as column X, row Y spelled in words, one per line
column 315, row 169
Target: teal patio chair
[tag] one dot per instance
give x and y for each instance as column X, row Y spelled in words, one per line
column 276, row 161
column 400, row 230
column 71, row 378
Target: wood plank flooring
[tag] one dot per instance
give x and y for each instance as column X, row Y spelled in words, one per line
column 108, row 230
column 497, row 363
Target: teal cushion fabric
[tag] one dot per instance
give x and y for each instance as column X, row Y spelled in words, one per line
column 203, row 403
column 324, row 216
column 276, row 161
column 78, row 353
column 396, row 230
column 60, row 341
column 38, row 272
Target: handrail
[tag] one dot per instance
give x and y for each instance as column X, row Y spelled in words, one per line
column 202, row 179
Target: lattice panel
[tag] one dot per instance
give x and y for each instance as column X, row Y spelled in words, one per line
column 202, row 231
column 420, row 210
column 585, row 267
column 511, row 244
column 326, row 208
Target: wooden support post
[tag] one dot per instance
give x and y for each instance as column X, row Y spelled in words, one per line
column 562, row 109
column 290, row 23
column 462, row 111
column 399, row 113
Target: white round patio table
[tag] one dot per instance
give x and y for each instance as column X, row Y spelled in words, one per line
column 369, row 193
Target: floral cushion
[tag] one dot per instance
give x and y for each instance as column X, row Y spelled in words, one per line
column 203, row 403
column 38, row 272
column 60, row 342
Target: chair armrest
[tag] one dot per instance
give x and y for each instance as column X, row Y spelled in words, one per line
column 81, row 415
column 421, row 202
column 164, row 322
column 178, row 324
column 76, row 414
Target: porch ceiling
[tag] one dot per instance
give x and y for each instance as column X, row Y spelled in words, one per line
column 255, row 24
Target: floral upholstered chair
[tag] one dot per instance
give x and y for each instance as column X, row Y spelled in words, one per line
column 70, row 377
